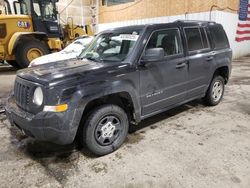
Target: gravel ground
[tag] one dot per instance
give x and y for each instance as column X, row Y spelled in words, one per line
column 189, row 146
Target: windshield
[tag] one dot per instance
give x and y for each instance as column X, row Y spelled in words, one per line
column 45, row 9
column 42, row 9
column 78, row 45
column 109, row 47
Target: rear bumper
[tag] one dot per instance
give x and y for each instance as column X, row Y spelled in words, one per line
column 58, row 128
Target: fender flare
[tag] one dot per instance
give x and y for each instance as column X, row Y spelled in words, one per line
column 18, row 35
column 81, row 99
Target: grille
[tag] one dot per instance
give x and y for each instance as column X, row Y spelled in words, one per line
column 22, row 95
column 3, row 30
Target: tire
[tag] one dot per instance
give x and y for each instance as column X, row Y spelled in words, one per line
column 29, row 50
column 102, row 123
column 13, row 63
column 215, row 91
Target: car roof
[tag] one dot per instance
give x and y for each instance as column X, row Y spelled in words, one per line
column 184, row 23
column 126, row 28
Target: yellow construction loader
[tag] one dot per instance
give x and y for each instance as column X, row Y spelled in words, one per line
column 30, row 29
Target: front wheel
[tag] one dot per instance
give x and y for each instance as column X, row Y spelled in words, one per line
column 105, row 129
column 215, row 91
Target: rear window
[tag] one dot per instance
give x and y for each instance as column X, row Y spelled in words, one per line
column 196, row 39
column 219, row 36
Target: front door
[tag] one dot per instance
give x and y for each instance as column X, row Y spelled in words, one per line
column 163, row 83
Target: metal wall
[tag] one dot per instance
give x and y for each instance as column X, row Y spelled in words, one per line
column 78, row 10
column 227, row 19
column 142, row 9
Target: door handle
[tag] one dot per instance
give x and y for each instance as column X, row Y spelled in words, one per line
column 210, row 58
column 180, row 65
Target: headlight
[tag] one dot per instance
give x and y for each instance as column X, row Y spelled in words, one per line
column 38, row 96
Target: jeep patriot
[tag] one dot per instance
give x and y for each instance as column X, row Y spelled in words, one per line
column 124, row 76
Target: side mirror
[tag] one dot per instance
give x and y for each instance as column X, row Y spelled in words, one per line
column 152, row 55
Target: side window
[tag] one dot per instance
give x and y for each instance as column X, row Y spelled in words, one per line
column 219, row 36
column 22, row 8
column 37, row 9
column 17, row 7
column 194, row 40
column 169, row 40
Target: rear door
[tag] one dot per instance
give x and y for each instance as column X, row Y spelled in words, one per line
column 221, row 48
column 200, row 60
column 163, row 83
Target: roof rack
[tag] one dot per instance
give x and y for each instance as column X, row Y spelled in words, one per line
column 191, row 21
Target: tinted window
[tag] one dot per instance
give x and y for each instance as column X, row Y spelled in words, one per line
column 194, row 39
column 219, row 36
column 204, row 38
column 169, row 40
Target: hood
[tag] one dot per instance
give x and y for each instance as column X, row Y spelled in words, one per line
column 52, row 74
column 50, row 58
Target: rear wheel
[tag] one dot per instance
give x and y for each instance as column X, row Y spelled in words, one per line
column 13, row 63
column 215, row 91
column 105, row 129
column 28, row 51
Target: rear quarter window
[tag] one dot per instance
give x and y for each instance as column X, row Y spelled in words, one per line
column 218, row 37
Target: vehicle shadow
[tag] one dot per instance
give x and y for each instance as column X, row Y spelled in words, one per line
column 41, row 150
column 59, row 161
column 166, row 115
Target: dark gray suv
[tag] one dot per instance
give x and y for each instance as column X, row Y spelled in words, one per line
column 124, row 76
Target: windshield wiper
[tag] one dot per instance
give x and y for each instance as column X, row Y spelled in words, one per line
column 92, row 59
column 111, row 60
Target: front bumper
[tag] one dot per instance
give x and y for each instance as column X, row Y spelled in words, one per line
column 58, row 128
